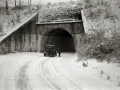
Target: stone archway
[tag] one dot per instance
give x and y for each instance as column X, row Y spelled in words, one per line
column 60, row 38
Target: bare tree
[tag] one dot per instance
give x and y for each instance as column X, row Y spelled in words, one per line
column 20, row 2
column 15, row 3
column 29, row 5
column 30, row 2
column 6, row 2
column 6, row 5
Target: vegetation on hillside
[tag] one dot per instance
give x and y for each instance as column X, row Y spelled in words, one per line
column 95, row 45
column 13, row 12
column 58, row 11
column 103, row 40
column 103, row 16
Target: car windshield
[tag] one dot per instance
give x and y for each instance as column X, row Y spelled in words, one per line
column 49, row 47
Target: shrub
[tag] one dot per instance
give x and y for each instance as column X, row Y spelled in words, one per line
column 1, row 27
column 1, row 30
column 101, row 72
column 108, row 77
column 17, row 8
column 108, row 59
column 95, row 45
column 85, row 64
column 94, row 14
column 118, row 84
column 93, row 41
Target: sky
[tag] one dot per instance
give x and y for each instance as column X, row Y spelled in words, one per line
column 34, row 1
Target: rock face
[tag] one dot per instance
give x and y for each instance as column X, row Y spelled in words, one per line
column 103, row 16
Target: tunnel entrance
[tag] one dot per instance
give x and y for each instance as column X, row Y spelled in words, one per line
column 60, row 38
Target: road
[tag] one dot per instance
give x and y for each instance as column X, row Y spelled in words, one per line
column 33, row 71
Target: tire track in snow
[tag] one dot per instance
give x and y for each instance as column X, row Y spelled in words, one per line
column 78, row 88
column 37, row 78
column 22, row 79
column 77, row 82
column 81, row 80
column 57, row 80
column 44, row 72
column 95, row 81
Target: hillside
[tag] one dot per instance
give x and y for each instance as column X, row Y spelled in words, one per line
column 103, row 15
column 103, row 23
column 16, row 16
column 100, row 14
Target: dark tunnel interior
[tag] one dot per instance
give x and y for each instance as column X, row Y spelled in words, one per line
column 60, row 38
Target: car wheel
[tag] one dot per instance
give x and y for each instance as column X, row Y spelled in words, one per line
column 44, row 54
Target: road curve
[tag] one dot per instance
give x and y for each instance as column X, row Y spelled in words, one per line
column 33, row 71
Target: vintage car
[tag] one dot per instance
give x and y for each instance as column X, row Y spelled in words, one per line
column 50, row 51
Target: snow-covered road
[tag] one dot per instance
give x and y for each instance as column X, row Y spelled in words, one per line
column 33, row 71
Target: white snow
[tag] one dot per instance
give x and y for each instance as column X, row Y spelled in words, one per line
column 33, row 71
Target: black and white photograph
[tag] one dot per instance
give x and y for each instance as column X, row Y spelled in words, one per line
column 59, row 44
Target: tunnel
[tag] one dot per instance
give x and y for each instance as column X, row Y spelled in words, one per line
column 60, row 38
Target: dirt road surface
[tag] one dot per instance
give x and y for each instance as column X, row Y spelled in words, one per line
column 33, row 71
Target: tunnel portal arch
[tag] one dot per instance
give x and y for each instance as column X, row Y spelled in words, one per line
column 61, row 38
column 31, row 36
